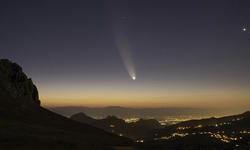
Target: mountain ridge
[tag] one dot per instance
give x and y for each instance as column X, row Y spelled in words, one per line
column 133, row 130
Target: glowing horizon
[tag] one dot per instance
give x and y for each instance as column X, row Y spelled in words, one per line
column 103, row 95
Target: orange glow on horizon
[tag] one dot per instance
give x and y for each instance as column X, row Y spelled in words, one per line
column 147, row 97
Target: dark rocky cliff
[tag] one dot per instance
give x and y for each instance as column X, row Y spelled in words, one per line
column 16, row 83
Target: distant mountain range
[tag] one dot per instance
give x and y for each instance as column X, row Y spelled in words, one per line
column 123, row 112
column 134, row 130
column 211, row 133
column 24, row 124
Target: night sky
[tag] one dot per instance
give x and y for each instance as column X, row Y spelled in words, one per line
column 131, row 53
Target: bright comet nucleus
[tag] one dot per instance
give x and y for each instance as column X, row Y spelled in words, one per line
column 134, row 78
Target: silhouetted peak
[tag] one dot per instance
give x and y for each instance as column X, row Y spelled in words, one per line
column 82, row 117
column 80, row 114
column 114, row 120
column 151, row 123
column 141, row 119
column 16, row 83
column 111, row 118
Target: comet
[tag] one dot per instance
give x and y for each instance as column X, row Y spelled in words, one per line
column 124, row 49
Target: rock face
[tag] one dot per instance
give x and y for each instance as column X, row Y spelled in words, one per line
column 15, row 82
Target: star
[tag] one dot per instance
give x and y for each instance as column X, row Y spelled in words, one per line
column 244, row 29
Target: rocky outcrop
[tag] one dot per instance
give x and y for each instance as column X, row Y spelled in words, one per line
column 15, row 82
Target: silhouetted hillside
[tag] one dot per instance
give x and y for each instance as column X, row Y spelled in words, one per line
column 212, row 133
column 118, row 126
column 225, row 132
column 26, row 125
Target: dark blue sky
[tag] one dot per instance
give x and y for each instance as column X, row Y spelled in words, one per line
column 183, row 53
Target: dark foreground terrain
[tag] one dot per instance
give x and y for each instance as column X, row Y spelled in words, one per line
column 24, row 124
column 36, row 127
